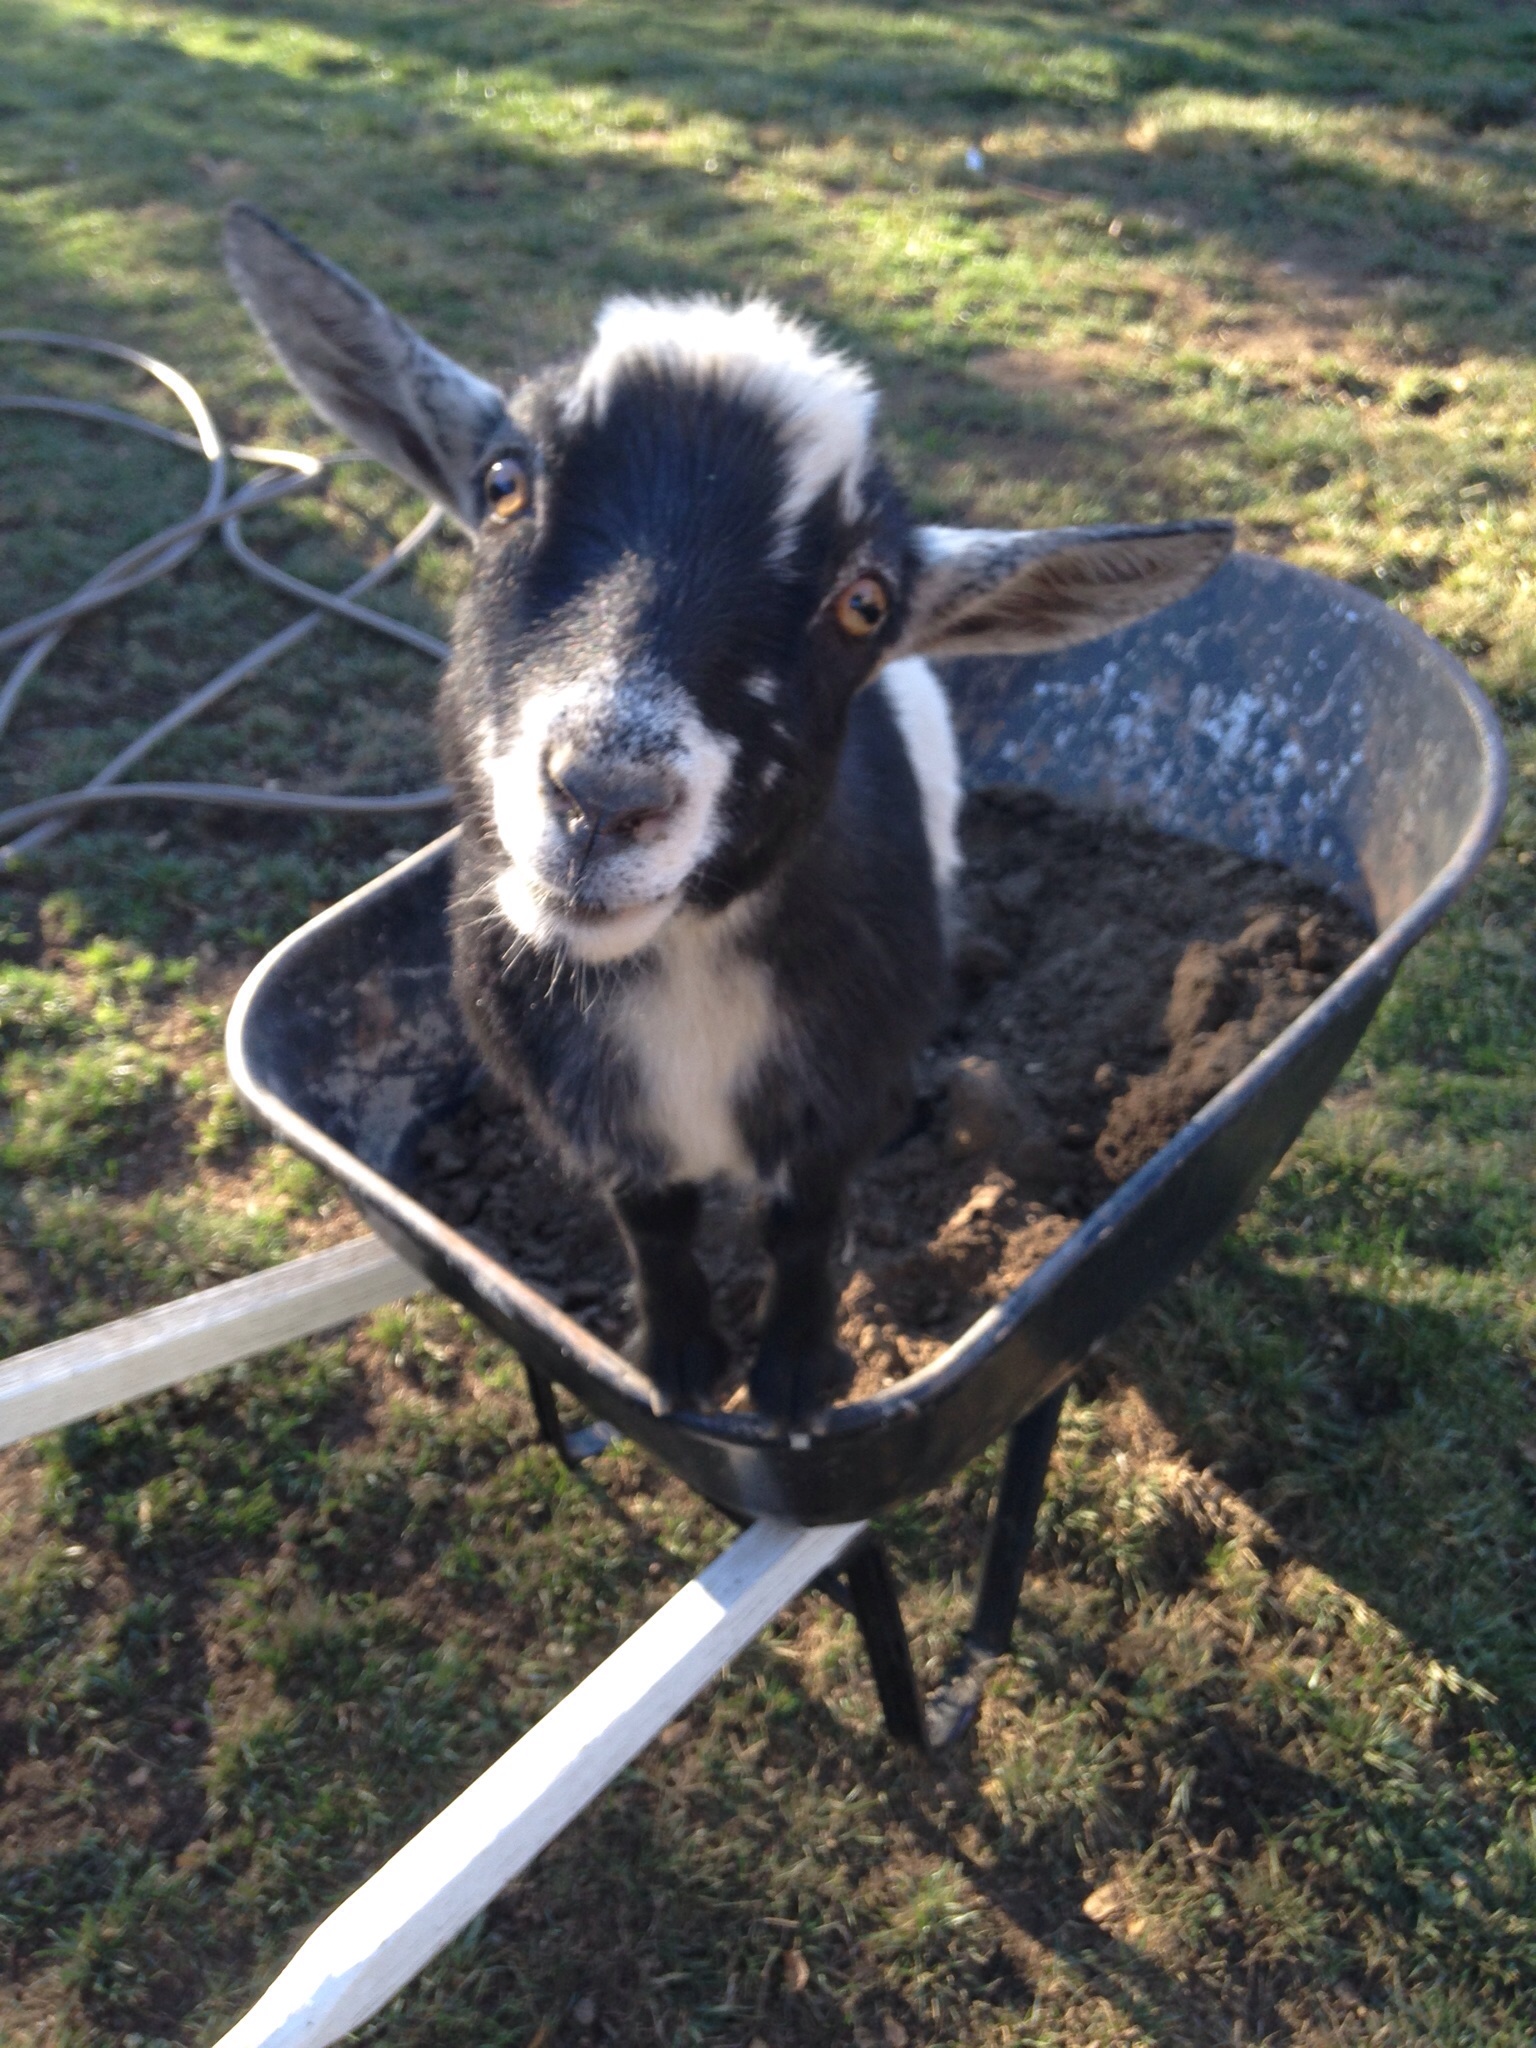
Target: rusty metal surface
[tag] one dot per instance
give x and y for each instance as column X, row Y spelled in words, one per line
column 1276, row 713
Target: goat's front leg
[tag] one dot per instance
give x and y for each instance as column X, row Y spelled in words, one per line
column 799, row 1365
column 676, row 1346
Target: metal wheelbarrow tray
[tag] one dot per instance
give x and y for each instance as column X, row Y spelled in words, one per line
column 1274, row 714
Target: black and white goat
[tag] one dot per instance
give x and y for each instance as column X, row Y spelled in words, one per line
column 707, row 784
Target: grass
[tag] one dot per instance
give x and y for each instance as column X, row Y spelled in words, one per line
column 1263, row 1766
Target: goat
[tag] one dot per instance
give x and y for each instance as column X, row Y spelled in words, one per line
column 707, row 781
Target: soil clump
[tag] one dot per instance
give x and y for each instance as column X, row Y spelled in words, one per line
column 1109, row 980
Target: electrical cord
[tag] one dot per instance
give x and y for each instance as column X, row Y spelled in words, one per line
column 282, row 472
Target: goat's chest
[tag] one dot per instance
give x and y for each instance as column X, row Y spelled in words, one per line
column 696, row 1030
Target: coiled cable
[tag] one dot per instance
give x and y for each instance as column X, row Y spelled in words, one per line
column 282, row 472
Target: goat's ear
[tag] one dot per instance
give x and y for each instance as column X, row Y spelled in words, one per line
column 1023, row 593
column 362, row 368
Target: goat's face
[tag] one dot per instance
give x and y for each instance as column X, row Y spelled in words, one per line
column 699, row 564
column 688, row 559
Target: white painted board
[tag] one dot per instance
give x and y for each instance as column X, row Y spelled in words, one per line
column 392, row 1926
column 77, row 1376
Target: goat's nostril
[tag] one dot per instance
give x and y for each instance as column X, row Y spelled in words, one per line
column 625, row 824
column 616, row 799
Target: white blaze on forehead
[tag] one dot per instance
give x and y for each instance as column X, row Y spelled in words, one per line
column 822, row 403
column 921, row 709
column 638, row 885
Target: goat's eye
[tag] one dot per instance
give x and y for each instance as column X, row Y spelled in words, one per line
column 862, row 608
column 507, row 490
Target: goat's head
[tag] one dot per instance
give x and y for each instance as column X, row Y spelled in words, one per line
column 688, row 559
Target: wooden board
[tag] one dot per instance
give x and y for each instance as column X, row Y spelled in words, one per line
column 62, row 1382
column 393, row 1925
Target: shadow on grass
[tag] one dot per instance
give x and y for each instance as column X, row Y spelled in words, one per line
column 363, row 1699
column 291, row 1568
column 800, row 73
column 138, row 116
column 1387, row 1441
column 756, row 60
column 103, row 1902
column 346, row 133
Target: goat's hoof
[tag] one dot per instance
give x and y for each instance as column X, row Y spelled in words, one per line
column 684, row 1372
column 793, row 1386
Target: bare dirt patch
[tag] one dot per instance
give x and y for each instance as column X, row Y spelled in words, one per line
column 1069, row 380
column 1300, row 316
column 1110, row 981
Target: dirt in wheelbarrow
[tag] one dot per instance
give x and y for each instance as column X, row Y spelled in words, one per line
column 1109, row 979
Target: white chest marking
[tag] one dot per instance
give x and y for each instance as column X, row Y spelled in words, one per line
column 698, row 1029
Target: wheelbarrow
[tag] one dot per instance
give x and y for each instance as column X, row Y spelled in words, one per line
column 1274, row 714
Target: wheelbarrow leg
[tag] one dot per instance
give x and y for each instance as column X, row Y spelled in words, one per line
column 1010, row 1538
column 573, row 1447
column 1011, row 1532
column 866, row 1572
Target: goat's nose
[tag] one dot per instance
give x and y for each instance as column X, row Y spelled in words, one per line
column 613, row 798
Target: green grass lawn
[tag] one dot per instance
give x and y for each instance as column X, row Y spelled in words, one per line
column 1263, row 1767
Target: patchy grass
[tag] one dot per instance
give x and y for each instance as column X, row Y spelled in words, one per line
column 1263, row 1767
